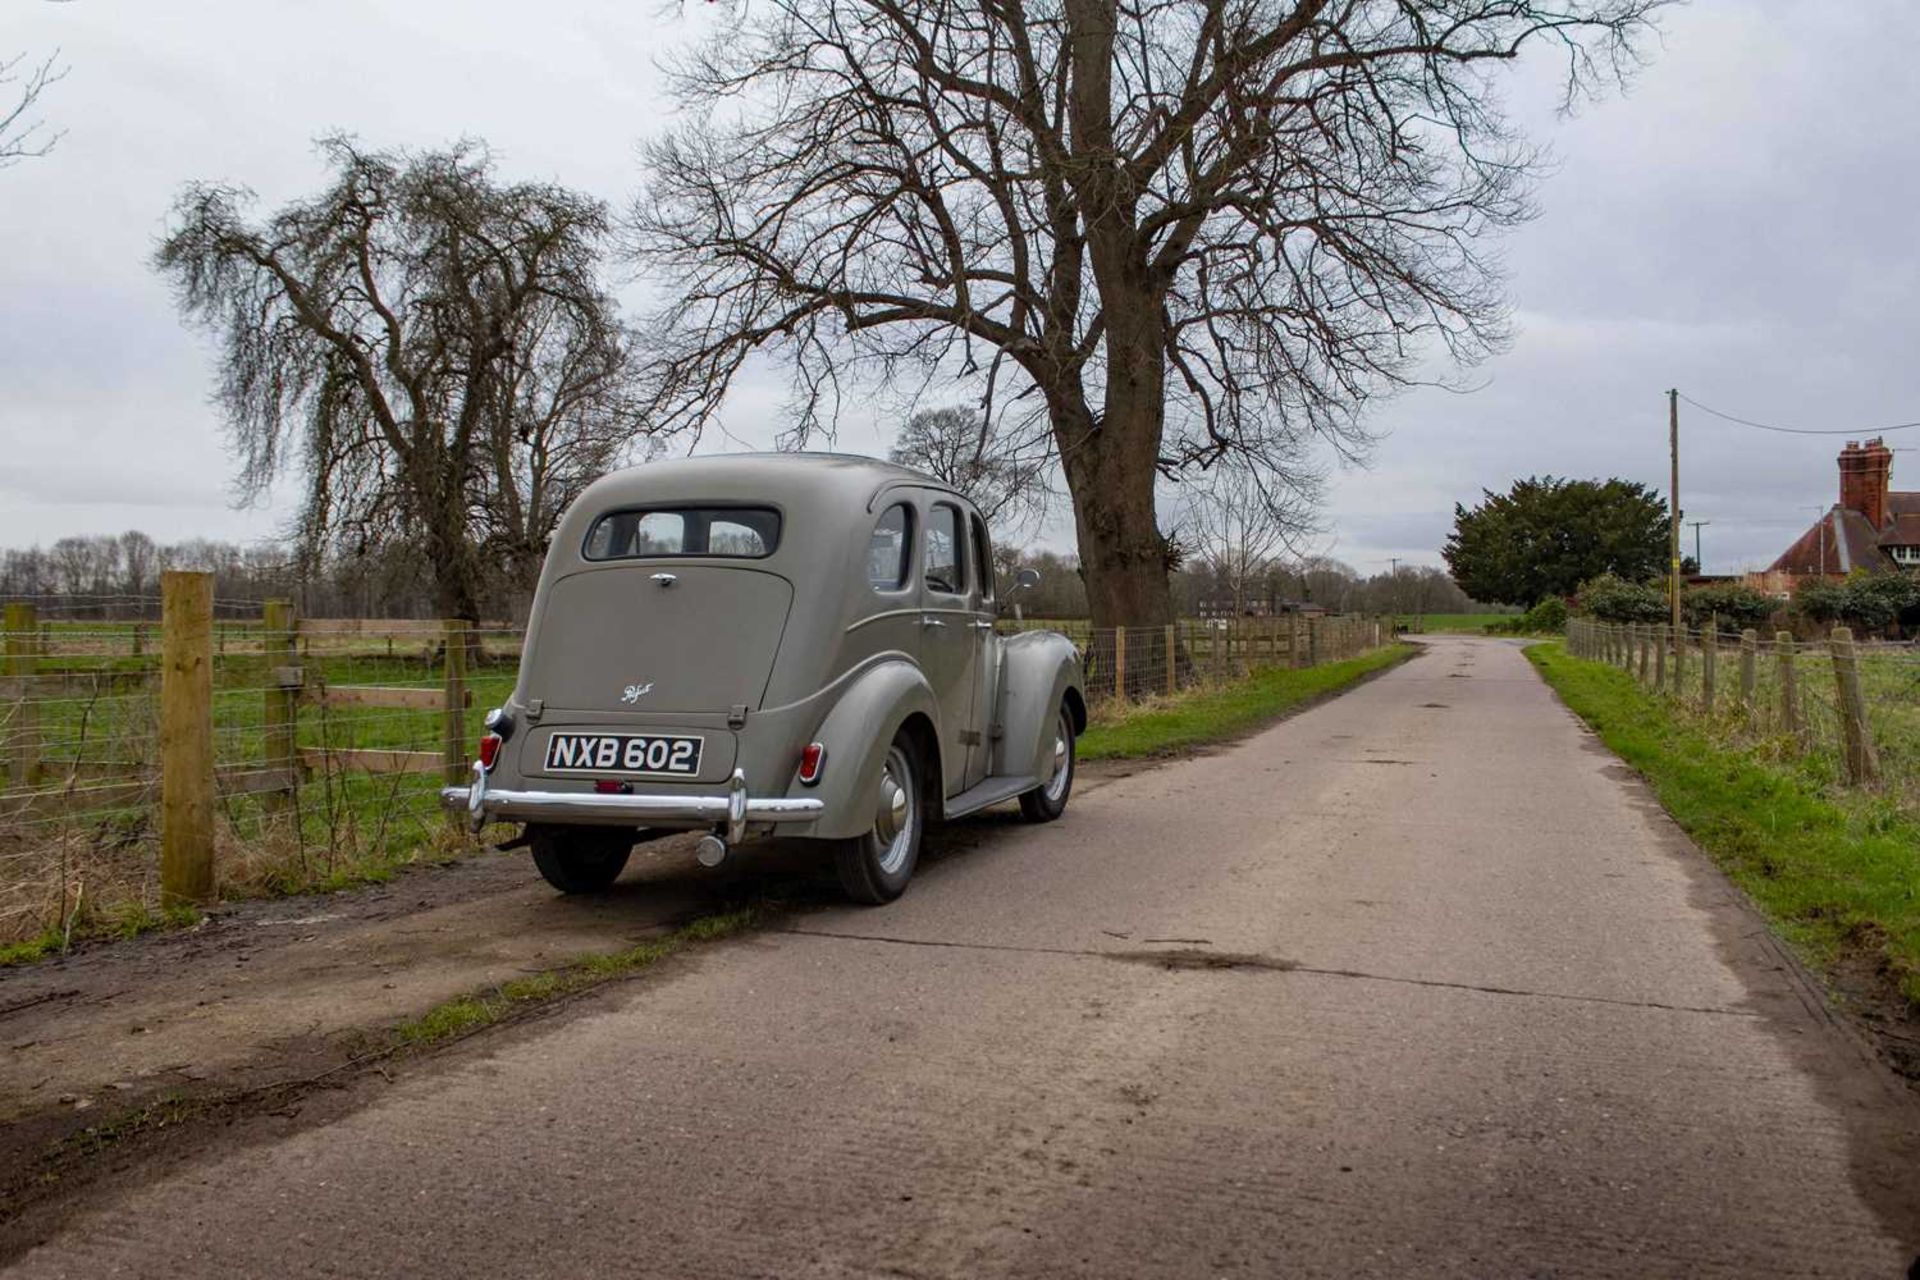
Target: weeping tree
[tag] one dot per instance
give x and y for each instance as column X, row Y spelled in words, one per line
column 1192, row 232
column 429, row 349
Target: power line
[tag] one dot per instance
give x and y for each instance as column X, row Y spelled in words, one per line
column 1798, row 431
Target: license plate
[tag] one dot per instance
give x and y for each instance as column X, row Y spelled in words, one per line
column 623, row 753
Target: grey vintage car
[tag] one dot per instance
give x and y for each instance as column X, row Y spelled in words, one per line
column 791, row 643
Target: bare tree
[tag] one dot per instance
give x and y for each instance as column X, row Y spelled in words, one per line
column 1240, row 523
column 23, row 135
column 140, row 559
column 431, row 350
column 960, row 447
column 1193, row 232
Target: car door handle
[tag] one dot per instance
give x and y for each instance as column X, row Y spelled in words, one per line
column 982, row 626
column 932, row 622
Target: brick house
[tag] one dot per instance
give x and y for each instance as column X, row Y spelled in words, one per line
column 1872, row 527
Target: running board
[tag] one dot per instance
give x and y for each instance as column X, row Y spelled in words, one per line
column 991, row 792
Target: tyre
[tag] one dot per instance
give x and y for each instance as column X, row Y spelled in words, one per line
column 580, row 859
column 875, row 867
column 1049, row 800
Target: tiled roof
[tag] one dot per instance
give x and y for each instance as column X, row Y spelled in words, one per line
column 1905, row 529
column 1839, row 542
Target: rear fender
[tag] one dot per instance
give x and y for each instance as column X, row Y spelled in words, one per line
column 857, row 733
column 1042, row 670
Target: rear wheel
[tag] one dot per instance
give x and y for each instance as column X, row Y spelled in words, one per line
column 1049, row 800
column 875, row 867
column 580, row 859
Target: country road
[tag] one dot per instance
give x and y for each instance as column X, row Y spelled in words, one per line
column 1417, row 983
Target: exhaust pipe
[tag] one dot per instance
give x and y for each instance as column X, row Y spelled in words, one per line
column 711, row 851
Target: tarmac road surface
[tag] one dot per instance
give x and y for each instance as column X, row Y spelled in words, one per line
column 1416, row 983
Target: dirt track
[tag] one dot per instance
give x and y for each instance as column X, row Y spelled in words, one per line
column 1416, row 983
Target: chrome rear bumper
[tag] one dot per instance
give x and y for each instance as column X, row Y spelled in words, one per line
column 735, row 810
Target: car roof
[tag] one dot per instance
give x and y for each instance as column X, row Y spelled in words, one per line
column 835, row 478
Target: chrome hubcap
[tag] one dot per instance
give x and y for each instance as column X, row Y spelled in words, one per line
column 893, row 817
column 1062, row 757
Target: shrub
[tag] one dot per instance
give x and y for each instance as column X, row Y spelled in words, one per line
column 1613, row 599
column 1868, row 601
column 1549, row 615
column 1731, row 602
column 1821, row 600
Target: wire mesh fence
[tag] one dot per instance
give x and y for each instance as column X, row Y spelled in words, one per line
column 330, row 738
column 1847, row 712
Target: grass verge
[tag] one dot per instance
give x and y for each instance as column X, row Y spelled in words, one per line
column 1838, row 875
column 128, row 920
column 1161, row 726
column 466, row 1014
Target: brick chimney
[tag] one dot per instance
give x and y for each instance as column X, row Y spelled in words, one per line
column 1865, row 471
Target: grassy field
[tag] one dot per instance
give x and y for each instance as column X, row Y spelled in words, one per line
column 1456, row 623
column 1162, row 726
column 1838, row 873
column 81, row 858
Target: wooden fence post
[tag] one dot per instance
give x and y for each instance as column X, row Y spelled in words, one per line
column 1313, row 641
column 22, row 659
column 1709, row 660
column 1861, row 762
column 1789, row 695
column 186, row 738
column 1679, row 663
column 1660, row 630
column 1749, row 675
column 1646, row 652
column 457, row 748
column 282, row 700
column 1173, row 661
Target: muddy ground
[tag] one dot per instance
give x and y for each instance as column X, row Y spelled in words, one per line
column 266, row 1000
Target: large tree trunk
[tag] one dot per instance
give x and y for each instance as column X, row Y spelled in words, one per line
column 1110, row 473
column 455, row 567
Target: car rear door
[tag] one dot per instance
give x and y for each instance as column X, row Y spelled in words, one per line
column 949, row 643
column 986, row 652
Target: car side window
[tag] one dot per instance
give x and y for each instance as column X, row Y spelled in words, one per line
column 983, row 558
column 887, row 553
column 943, row 568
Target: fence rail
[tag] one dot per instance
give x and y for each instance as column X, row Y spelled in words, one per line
column 139, row 757
column 1847, row 711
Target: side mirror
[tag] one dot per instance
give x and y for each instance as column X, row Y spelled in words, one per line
column 1026, row 580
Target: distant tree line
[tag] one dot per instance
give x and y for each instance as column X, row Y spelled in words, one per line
column 119, row 577
column 1276, row 586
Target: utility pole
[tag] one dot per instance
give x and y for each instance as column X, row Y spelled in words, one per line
column 1673, row 522
column 1699, row 565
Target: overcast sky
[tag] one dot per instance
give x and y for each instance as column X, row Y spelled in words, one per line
column 1740, row 225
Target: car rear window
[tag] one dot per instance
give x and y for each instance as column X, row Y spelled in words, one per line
column 745, row 532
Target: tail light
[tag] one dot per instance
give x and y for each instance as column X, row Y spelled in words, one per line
column 812, row 761
column 489, row 750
